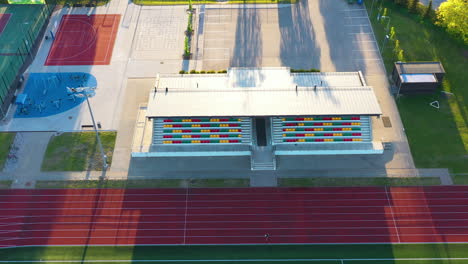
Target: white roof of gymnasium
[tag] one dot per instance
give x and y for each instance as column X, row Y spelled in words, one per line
column 262, row 92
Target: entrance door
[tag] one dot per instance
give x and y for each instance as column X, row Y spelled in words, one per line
column 260, row 125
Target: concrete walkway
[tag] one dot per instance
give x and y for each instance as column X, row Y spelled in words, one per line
column 29, row 149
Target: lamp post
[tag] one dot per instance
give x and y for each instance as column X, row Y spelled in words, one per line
column 386, row 38
column 88, row 92
column 387, row 28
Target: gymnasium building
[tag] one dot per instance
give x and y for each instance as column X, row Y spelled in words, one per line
column 260, row 114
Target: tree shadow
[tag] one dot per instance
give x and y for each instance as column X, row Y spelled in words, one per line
column 248, row 47
column 298, row 48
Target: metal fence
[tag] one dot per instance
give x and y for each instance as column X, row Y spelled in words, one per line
column 16, row 62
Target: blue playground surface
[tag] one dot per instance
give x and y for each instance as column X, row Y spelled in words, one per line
column 46, row 94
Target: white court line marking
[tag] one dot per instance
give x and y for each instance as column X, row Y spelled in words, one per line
column 393, row 217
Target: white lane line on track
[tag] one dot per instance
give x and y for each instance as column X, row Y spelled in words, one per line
column 233, row 228
column 230, row 207
column 234, row 214
column 233, row 222
column 243, row 193
column 393, row 217
column 240, row 214
column 227, row 260
column 186, row 211
column 241, row 200
column 223, row 236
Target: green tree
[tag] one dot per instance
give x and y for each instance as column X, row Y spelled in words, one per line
column 453, row 15
column 413, row 7
column 396, row 48
column 400, row 55
column 427, row 12
column 392, row 33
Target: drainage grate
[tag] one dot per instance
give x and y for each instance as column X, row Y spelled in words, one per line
column 386, row 121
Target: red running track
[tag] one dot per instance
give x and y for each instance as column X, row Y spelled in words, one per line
column 233, row 216
column 84, row 40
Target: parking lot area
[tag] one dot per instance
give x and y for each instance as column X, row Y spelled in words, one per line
column 311, row 34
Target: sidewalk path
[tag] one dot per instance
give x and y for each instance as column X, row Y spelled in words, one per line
column 29, row 149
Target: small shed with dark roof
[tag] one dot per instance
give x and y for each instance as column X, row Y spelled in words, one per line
column 417, row 77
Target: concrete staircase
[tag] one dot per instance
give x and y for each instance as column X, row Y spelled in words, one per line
column 262, row 158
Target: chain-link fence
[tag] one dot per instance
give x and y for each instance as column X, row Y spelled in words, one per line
column 13, row 62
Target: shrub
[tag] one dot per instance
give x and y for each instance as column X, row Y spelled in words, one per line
column 186, row 46
column 193, row 71
column 314, row 70
column 452, row 15
column 400, row 55
column 392, row 33
column 203, row 72
column 182, row 72
column 189, row 24
column 222, row 71
column 211, row 71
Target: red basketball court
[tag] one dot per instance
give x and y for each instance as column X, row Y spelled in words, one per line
column 84, row 40
column 4, row 18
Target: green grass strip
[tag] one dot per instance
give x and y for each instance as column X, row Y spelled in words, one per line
column 78, row 151
column 358, row 181
column 148, row 183
column 5, row 184
column 338, row 251
column 6, row 139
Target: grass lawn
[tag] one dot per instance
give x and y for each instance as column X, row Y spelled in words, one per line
column 150, row 183
column 437, row 137
column 265, row 252
column 5, row 184
column 6, row 139
column 77, row 151
column 195, row 2
column 460, row 179
column 364, row 181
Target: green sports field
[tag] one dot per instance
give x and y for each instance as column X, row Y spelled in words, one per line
column 17, row 39
column 331, row 254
